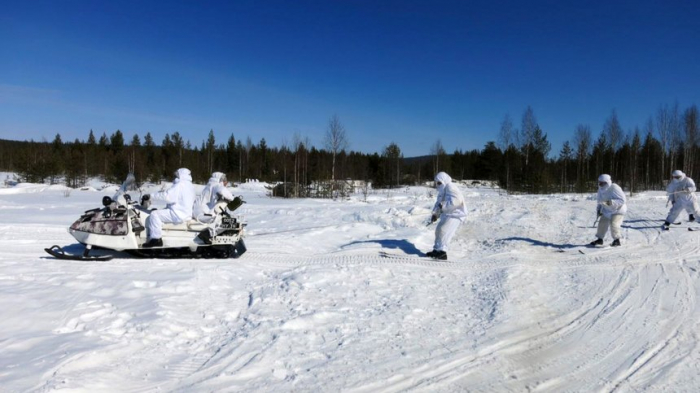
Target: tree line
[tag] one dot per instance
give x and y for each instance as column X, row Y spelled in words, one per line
column 519, row 159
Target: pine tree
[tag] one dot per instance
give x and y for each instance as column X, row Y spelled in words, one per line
column 565, row 156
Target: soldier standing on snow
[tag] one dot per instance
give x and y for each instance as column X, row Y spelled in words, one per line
column 612, row 206
column 450, row 209
column 681, row 193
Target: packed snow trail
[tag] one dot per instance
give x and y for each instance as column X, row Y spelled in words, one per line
column 313, row 305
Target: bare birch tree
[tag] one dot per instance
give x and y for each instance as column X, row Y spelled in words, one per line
column 527, row 132
column 437, row 150
column 690, row 127
column 336, row 141
column 663, row 130
column 298, row 146
column 648, row 130
column 676, row 127
column 635, row 143
column 210, row 148
column 614, row 136
column 505, row 140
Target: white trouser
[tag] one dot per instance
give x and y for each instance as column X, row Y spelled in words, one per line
column 446, row 228
column 690, row 206
column 614, row 223
column 154, row 222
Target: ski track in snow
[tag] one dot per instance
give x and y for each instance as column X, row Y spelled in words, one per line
column 314, row 305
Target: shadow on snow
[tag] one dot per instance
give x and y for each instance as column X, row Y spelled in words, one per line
column 541, row 243
column 392, row 244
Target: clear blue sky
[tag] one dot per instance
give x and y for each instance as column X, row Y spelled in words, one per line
column 409, row 72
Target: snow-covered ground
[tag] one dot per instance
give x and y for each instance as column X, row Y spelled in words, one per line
column 314, row 305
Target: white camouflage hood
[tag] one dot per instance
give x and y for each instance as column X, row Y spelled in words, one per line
column 678, row 172
column 606, row 179
column 443, row 178
column 184, row 174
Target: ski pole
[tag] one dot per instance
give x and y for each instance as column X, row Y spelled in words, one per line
column 597, row 216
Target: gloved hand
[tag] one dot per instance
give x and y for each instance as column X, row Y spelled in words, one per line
column 146, row 200
column 434, row 218
column 599, row 210
column 607, row 203
column 220, row 197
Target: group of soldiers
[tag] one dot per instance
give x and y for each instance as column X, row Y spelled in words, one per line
column 182, row 204
column 611, row 207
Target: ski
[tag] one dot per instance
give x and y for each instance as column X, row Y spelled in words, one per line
column 58, row 253
column 668, row 228
column 596, row 249
column 587, row 248
column 422, row 257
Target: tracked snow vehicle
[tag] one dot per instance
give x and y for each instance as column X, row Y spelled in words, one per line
column 120, row 224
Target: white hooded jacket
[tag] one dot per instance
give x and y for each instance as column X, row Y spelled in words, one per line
column 611, row 198
column 450, row 202
column 180, row 196
column 681, row 190
column 211, row 193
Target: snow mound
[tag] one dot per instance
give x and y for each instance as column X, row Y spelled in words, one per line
column 254, row 186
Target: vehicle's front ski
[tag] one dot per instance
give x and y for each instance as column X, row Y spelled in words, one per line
column 59, row 253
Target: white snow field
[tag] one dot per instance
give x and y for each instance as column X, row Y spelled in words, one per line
column 332, row 296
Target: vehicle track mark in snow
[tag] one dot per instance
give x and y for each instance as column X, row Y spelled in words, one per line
column 365, row 258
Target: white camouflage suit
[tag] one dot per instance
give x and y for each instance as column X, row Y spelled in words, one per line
column 451, row 208
column 681, row 192
column 215, row 189
column 612, row 206
column 179, row 199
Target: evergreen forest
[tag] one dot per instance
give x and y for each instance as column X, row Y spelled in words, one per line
column 519, row 159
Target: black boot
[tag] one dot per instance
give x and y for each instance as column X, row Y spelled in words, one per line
column 691, row 218
column 440, row 255
column 616, row 243
column 666, row 225
column 596, row 242
column 430, row 254
column 153, row 243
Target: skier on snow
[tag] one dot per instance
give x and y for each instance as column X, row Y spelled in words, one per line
column 681, row 193
column 211, row 194
column 611, row 209
column 451, row 210
column 179, row 199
